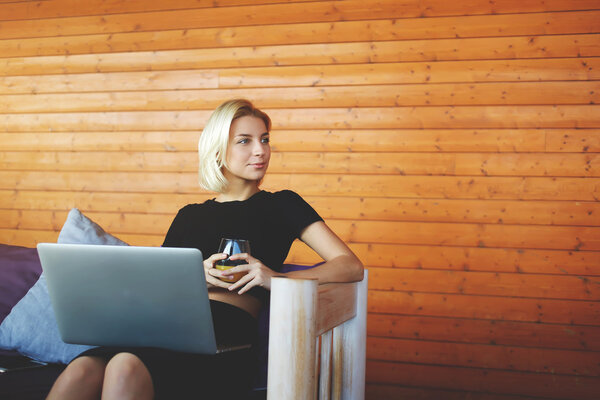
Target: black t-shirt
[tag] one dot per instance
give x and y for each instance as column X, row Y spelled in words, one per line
column 270, row 221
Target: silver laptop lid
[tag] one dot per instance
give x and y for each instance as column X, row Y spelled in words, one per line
column 129, row 296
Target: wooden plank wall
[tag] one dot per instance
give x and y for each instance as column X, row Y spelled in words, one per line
column 453, row 144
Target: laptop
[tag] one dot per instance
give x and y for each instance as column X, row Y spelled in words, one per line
column 131, row 296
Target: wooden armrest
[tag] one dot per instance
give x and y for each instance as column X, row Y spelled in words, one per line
column 336, row 304
column 301, row 310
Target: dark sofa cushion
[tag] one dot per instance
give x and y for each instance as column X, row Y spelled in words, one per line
column 20, row 269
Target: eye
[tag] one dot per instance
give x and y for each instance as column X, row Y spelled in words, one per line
column 243, row 141
column 265, row 140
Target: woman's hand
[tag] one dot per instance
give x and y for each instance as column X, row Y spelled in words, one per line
column 257, row 274
column 209, row 270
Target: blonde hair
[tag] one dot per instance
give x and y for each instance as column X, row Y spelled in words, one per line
column 212, row 145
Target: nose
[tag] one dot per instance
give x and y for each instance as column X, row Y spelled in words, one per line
column 258, row 148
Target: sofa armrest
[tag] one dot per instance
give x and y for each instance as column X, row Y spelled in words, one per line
column 301, row 311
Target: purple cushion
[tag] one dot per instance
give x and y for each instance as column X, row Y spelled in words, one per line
column 20, row 269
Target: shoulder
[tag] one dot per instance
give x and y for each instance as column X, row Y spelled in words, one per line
column 195, row 208
column 290, row 202
column 286, row 195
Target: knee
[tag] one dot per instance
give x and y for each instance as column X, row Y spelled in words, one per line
column 87, row 370
column 126, row 373
column 125, row 366
column 82, row 372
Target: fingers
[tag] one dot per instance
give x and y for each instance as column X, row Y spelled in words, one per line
column 247, row 281
column 209, row 270
column 243, row 256
column 214, row 258
column 217, row 282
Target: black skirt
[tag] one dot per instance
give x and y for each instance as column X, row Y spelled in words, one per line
column 178, row 375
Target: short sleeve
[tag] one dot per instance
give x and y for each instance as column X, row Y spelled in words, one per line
column 177, row 231
column 297, row 212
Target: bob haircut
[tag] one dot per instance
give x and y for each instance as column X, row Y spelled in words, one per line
column 212, row 145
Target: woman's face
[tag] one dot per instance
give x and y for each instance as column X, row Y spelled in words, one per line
column 249, row 151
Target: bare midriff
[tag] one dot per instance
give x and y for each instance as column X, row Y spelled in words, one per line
column 244, row 301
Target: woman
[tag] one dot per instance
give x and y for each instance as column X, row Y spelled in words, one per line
column 234, row 155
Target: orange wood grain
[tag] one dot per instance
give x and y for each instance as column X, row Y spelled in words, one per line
column 375, row 391
column 16, row 10
column 576, row 141
column 166, row 38
column 533, row 188
column 547, row 386
column 333, row 140
column 471, row 235
column 576, row 312
column 549, row 361
column 575, row 287
column 522, row 47
column 508, row 70
column 489, row 332
column 419, row 233
column 455, row 164
column 365, row 96
column 435, row 117
column 437, row 257
column 559, row 69
column 201, row 17
column 560, row 262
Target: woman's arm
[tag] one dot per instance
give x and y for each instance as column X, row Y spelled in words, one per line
column 341, row 264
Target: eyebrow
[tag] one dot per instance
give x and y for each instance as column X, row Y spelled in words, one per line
column 248, row 135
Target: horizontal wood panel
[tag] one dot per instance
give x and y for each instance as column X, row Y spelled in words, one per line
column 167, row 38
column 556, row 362
column 554, row 46
column 32, row 9
column 578, row 312
column 491, row 332
column 384, row 255
column 17, row 10
column 559, row 69
column 564, row 116
column 429, row 257
column 555, row 69
column 351, row 208
column 534, row 188
column 203, row 17
column 525, row 93
column 572, row 141
column 482, row 235
column 466, row 258
column 484, row 380
column 27, row 238
column 376, row 391
column 503, row 140
column 456, row 164
column 486, row 283
column 376, row 140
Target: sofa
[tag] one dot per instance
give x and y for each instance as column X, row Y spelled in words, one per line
column 19, row 270
column 28, row 329
column 27, row 326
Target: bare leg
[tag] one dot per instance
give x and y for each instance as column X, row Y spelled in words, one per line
column 126, row 377
column 82, row 379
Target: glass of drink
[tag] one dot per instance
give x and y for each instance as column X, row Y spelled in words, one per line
column 231, row 247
